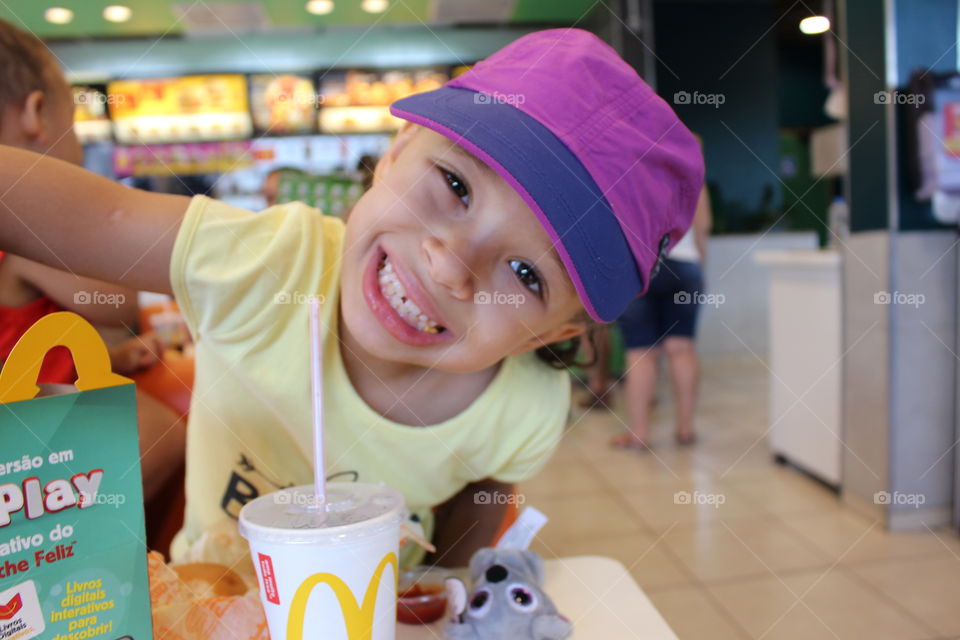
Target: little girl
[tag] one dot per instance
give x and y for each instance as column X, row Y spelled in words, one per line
column 528, row 196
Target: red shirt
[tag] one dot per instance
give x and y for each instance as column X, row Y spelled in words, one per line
column 14, row 321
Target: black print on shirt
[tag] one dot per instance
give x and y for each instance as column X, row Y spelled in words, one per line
column 242, row 487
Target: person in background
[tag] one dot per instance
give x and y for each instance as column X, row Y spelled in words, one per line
column 36, row 113
column 663, row 321
column 270, row 190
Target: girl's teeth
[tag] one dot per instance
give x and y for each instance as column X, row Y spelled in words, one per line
column 393, row 291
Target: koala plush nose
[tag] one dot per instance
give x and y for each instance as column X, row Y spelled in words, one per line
column 497, row 573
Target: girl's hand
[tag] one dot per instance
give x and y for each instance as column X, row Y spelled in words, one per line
column 136, row 353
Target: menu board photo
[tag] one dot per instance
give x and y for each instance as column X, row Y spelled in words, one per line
column 90, row 121
column 188, row 108
column 283, row 104
column 358, row 101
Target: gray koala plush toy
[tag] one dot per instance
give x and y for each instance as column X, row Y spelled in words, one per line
column 507, row 601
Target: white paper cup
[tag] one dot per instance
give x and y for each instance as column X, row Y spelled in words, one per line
column 336, row 581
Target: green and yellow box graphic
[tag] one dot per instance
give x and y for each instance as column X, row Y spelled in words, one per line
column 72, row 551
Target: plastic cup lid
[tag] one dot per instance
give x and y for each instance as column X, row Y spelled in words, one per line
column 353, row 509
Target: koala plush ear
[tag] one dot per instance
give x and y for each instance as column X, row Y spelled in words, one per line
column 535, row 563
column 480, row 562
column 551, row 627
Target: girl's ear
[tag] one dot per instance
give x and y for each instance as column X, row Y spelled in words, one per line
column 400, row 142
column 565, row 331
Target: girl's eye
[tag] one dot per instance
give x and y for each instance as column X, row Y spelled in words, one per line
column 527, row 276
column 457, row 185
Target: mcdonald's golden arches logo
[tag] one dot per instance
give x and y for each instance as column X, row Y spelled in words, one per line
column 357, row 618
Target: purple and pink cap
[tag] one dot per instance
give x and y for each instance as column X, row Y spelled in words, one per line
column 603, row 162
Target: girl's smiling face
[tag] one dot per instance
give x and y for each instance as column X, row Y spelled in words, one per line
column 445, row 266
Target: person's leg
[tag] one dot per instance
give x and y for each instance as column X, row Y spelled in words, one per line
column 639, row 385
column 684, row 368
column 162, row 442
column 679, row 347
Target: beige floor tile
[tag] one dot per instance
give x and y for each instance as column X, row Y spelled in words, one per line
column 645, row 556
column 778, row 489
column 695, row 498
column 813, row 605
column 745, row 453
column 637, row 469
column 851, row 537
column 586, row 516
column 574, row 477
column 929, row 588
column 740, row 547
column 693, row 615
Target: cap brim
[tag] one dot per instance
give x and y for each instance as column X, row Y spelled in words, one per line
column 550, row 179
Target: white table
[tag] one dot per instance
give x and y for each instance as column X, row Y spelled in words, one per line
column 597, row 594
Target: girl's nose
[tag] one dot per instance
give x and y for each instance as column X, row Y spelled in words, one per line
column 448, row 269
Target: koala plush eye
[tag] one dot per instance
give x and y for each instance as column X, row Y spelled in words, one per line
column 480, row 604
column 521, row 598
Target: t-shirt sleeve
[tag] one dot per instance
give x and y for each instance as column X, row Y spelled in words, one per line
column 230, row 266
column 535, row 437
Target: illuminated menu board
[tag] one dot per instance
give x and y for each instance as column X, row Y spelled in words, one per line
column 90, row 119
column 358, row 101
column 283, row 104
column 188, row 108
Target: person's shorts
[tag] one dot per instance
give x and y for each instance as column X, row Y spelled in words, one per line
column 668, row 308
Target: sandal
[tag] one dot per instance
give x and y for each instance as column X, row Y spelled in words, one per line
column 628, row 441
column 686, row 440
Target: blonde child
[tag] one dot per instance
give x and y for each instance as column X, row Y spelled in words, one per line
column 523, row 199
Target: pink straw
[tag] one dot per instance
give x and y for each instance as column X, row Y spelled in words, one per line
column 316, row 384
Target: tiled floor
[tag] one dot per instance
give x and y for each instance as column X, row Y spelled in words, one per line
column 768, row 553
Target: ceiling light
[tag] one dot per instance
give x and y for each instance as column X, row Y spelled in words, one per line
column 374, row 6
column 117, row 13
column 58, row 15
column 320, row 7
column 815, row 24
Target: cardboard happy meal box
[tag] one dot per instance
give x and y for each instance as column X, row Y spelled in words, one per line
column 72, row 553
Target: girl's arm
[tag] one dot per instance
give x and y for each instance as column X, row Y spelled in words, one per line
column 69, row 218
column 468, row 521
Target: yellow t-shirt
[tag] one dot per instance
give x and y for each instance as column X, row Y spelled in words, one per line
column 243, row 282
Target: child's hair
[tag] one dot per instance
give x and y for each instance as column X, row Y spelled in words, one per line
column 564, row 355
column 24, row 65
